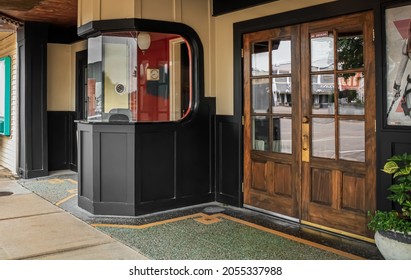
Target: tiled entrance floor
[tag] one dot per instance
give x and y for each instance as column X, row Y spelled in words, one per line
column 208, row 231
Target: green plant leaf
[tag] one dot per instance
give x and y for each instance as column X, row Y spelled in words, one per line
column 398, row 220
column 403, row 171
column 389, row 220
column 391, row 167
column 397, row 158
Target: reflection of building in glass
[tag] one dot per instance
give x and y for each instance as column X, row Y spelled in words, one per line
column 281, row 89
column 260, row 90
column 322, row 89
column 354, row 84
column 281, row 86
column 350, row 88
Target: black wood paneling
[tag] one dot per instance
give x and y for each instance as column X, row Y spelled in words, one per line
column 72, row 144
column 79, row 114
column 175, row 161
column 62, row 140
column 155, row 166
column 195, row 153
column 58, row 140
column 229, row 161
column 32, row 46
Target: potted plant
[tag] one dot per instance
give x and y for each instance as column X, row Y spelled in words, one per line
column 393, row 228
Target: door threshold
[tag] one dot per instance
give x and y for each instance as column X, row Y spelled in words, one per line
column 284, row 217
column 309, row 224
column 337, row 231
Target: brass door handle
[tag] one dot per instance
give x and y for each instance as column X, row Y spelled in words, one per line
column 305, row 139
column 305, row 142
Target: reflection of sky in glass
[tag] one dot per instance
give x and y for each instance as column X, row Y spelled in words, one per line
column 322, row 49
column 280, row 56
column 260, row 63
column 321, row 52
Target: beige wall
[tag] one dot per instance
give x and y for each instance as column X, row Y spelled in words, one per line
column 216, row 33
column 8, row 144
column 61, row 76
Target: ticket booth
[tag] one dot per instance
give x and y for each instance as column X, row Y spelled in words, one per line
column 146, row 142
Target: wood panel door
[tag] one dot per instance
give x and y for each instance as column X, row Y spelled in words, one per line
column 338, row 130
column 271, row 120
column 309, row 131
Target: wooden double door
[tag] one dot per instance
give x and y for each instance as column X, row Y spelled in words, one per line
column 309, row 122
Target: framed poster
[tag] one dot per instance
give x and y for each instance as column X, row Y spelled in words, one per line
column 398, row 68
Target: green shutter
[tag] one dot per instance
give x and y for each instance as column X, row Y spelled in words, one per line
column 5, row 119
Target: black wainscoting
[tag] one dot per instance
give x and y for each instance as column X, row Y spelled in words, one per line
column 196, row 158
column 139, row 168
column 229, row 160
column 72, row 156
column 175, row 162
column 157, row 168
column 62, row 143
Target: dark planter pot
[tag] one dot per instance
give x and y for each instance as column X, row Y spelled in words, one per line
column 394, row 245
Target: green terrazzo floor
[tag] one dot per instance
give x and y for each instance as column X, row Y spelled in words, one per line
column 53, row 190
column 224, row 240
column 228, row 239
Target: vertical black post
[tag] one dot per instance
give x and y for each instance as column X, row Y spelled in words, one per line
column 32, row 51
column 81, row 103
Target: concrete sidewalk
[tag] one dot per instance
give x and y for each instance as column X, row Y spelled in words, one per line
column 33, row 228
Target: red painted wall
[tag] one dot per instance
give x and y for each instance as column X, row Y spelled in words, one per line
column 153, row 96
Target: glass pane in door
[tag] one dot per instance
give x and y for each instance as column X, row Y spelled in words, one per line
column 259, row 59
column 322, row 94
column 352, row 140
column 322, row 51
column 323, row 138
column 260, row 95
column 351, row 93
column 350, row 50
column 281, row 88
column 260, row 133
column 282, row 135
column 281, row 57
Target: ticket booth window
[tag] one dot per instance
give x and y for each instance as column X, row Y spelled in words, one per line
column 138, row 76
